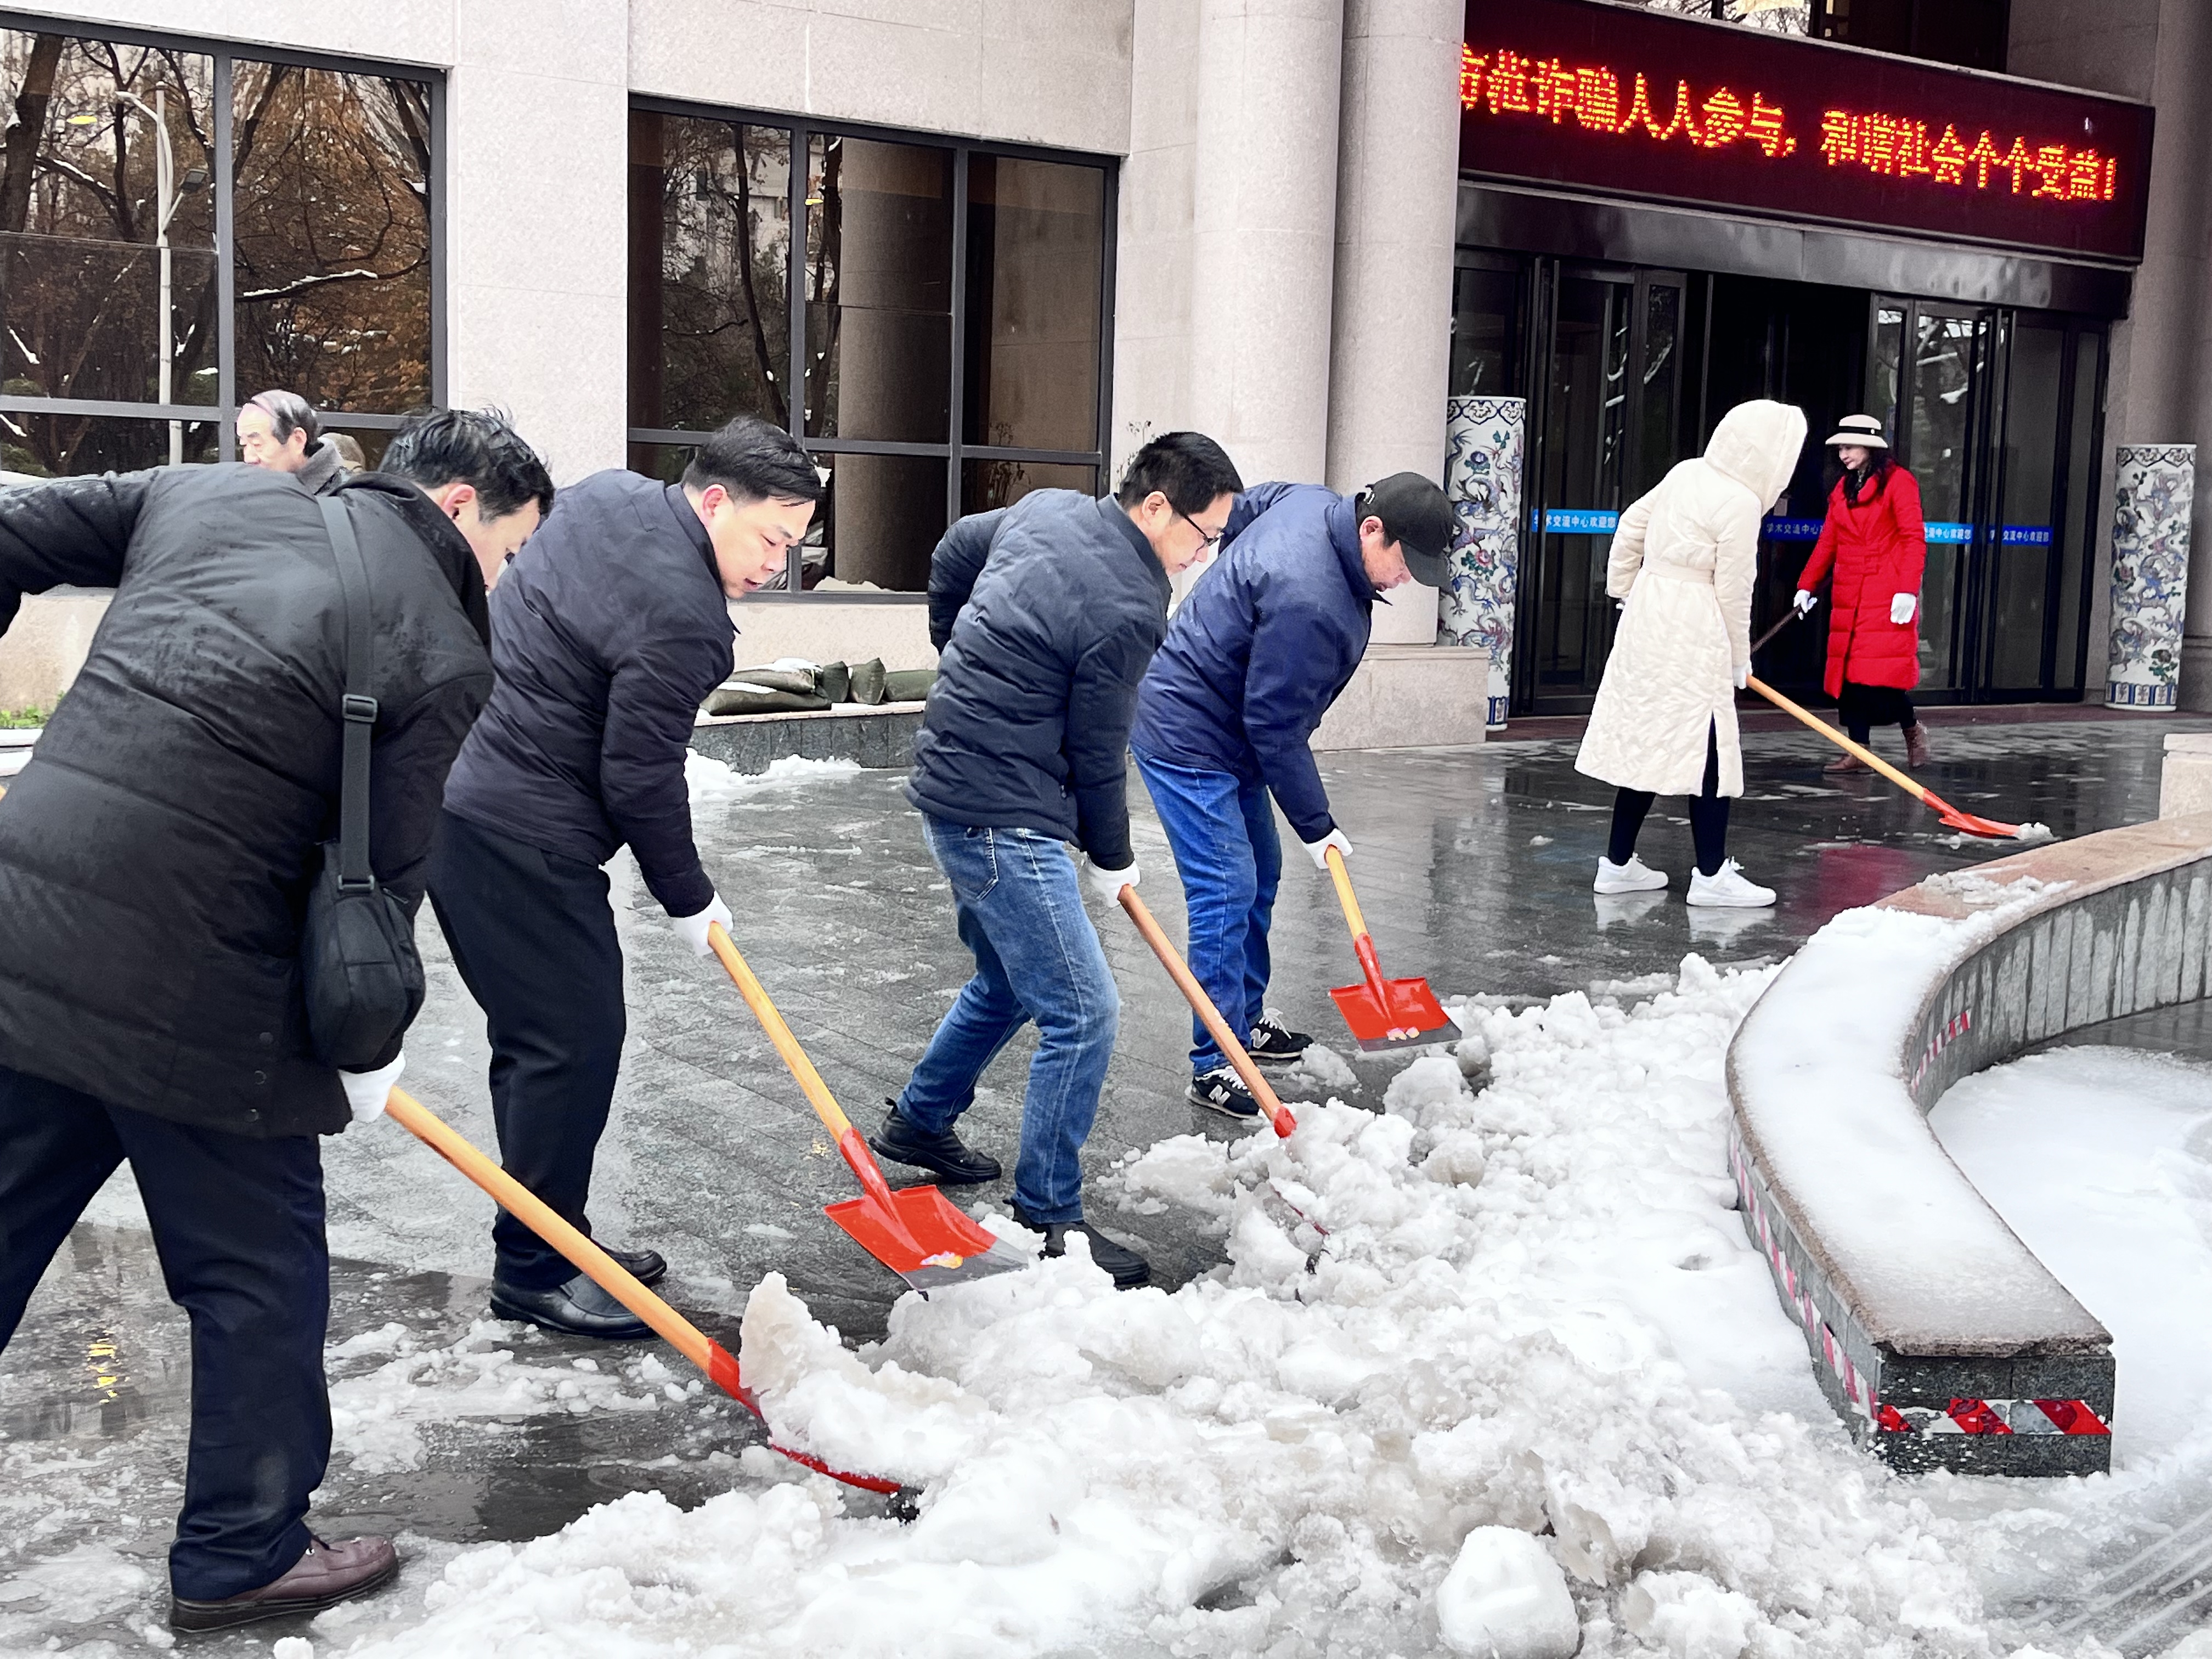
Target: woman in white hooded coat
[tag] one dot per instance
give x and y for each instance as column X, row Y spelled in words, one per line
column 1683, row 560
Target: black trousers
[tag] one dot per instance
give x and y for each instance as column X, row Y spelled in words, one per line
column 534, row 938
column 1863, row 708
column 237, row 1224
column 1708, row 815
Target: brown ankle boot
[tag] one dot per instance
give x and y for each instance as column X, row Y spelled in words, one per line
column 1917, row 750
column 1845, row 763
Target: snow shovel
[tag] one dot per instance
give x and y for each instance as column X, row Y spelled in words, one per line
column 1989, row 828
column 526, row 1207
column 1383, row 1013
column 1278, row 1115
column 915, row 1232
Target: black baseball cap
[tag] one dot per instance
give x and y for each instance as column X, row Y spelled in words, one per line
column 1416, row 516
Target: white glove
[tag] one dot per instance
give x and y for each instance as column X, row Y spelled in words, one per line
column 1901, row 607
column 367, row 1091
column 1805, row 601
column 692, row 930
column 1743, row 677
column 1318, row 850
column 1109, row 884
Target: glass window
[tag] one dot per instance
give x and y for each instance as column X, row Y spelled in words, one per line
column 1036, row 257
column 884, row 517
column 111, row 277
column 103, row 208
column 333, row 237
column 710, row 226
column 878, row 285
column 939, row 306
column 985, row 484
column 2023, row 543
column 1482, row 336
column 2082, row 501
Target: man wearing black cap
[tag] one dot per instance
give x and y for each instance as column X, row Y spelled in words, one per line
column 1254, row 659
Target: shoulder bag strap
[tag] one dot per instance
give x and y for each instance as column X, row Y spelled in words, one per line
column 359, row 708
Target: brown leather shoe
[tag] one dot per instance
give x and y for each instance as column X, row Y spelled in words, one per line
column 1845, row 763
column 325, row 1575
column 1917, row 748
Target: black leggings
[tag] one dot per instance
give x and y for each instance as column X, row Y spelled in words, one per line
column 1863, row 708
column 1709, row 815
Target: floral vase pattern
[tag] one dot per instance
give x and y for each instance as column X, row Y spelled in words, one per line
column 1485, row 439
column 2152, row 494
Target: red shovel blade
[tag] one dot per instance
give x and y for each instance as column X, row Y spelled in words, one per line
column 927, row 1243
column 1414, row 1019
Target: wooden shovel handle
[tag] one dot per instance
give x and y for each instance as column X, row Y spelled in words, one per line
column 1857, row 751
column 1279, row 1116
column 533, row 1212
column 810, row 1080
column 1342, row 878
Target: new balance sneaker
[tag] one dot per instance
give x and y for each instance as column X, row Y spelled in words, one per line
column 1632, row 877
column 1274, row 1043
column 1727, row 887
column 1224, row 1092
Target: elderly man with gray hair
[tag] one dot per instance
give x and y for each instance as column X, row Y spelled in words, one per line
column 280, row 430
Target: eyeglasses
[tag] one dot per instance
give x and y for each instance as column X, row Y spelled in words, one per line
column 1203, row 540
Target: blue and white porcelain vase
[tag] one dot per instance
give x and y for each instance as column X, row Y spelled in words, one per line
column 2151, row 497
column 1485, row 439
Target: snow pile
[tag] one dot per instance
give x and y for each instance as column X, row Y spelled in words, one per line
column 1513, row 1309
column 711, row 781
column 1826, row 1097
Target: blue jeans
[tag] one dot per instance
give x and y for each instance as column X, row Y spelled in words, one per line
column 1037, row 957
column 1231, row 859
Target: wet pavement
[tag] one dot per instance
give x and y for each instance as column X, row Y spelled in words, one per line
column 1472, row 866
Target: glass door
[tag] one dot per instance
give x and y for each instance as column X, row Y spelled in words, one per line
column 1608, row 394
column 1997, row 415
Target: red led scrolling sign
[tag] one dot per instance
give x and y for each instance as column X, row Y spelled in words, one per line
column 1569, row 92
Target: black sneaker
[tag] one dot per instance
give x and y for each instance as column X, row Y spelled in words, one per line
column 902, row 1142
column 1124, row 1266
column 1274, row 1043
column 1223, row 1091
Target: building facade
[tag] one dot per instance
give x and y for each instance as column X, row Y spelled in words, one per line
column 968, row 248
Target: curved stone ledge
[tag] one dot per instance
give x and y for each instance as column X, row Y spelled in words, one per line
column 1935, row 1333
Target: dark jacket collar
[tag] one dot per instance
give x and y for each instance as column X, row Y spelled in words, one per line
column 1344, row 537
column 679, row 505
column 449, row 549
column 322, row 471
column 1112, row 512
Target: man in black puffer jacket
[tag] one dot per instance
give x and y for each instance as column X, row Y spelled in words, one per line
column 607, row 634
column 155, row 861
column 1045, row 614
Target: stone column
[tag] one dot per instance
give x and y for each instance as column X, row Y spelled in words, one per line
column 1396, row 192
column 1264, row 204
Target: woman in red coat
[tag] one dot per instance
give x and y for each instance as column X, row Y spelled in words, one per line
column 1874, row 540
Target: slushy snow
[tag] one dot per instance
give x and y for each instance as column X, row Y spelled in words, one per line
column 1531, row 1308
column 711, row 781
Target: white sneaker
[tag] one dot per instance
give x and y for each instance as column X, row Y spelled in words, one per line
column 1727, row 887
column 1630, row 878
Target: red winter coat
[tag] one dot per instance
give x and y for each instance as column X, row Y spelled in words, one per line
column 1878, row 549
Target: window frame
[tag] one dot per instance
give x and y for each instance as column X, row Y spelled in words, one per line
column 225, row 55
column 801, row 129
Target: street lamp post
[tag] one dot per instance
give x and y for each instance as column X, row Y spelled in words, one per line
column 166, row 198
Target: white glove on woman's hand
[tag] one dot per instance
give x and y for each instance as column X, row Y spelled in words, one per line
column 1805, row 601
column 1901, row 607
column 1743, row 677
column 1109, row 884
column 692, row 930
column 367, row 1091
column 1318, row 850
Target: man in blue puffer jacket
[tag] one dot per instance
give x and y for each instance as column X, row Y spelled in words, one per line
column 1253, row 660
column 1046, row 615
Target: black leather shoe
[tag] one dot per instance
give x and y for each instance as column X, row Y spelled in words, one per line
column 579, row 1308
column 1124, row 1266
column 943, row 1154
column 646, row 1266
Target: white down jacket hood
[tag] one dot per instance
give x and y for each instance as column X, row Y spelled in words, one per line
column 1684, row 561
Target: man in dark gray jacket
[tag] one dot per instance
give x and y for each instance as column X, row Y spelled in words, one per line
column 156, row 856
column 607, row 634
column 1045, row 614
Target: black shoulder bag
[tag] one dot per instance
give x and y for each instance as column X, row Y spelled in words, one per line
column 359, row 968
